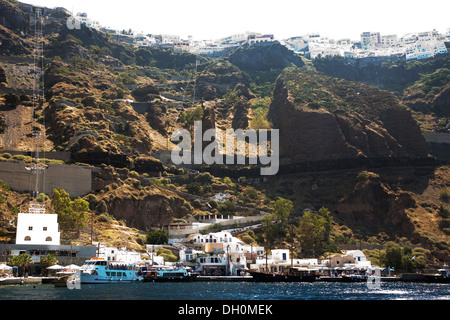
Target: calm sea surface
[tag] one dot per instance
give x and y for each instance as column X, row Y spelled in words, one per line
column 229, row 291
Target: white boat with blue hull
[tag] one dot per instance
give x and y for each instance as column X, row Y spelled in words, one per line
column 98, row 270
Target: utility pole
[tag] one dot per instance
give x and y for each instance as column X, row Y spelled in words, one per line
column 92, row 228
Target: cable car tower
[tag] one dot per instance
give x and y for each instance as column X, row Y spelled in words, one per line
column 37, row 168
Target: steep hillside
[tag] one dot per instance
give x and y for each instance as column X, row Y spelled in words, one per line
column 421, row 85
column 354, row 148
column 334, row 122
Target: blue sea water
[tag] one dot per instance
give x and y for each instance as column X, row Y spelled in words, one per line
column 222, row 291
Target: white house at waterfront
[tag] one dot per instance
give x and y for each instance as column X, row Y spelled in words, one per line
column 36, row 227
column 219, row 253
column 118, row 254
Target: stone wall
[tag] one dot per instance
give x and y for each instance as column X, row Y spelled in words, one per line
column 75, row 180
column 439, row 145
column 437, row 137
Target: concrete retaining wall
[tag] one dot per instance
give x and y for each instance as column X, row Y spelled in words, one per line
column 75, row 180
column 437, row 137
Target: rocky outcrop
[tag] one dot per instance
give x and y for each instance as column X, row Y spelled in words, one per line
column 373, row 207
column 208, row 122
column 240, row 115
column 438, row 104
column 219, row 78
column 441, row 102
column 243, row 91
column 145, row 93
column 264, row 57
column 13, row 44
column 2, row 75
column 390, row 73
column 343, row 129
column 15, row 16
column 153, row 208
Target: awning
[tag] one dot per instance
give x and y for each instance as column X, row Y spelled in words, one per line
column 5, row 267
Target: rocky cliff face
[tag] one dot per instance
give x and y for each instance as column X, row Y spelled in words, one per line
column 145, row 209
column 15, row 16
column 2, row 75
column 348, row 123
column 393, row 74
column 264, row 57
column 420, row 101
column 218, row 78
column 373, row 206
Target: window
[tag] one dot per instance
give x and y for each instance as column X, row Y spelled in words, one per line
column 30, row 228
column 48, row 239
column 27, row 238
column 44, row 228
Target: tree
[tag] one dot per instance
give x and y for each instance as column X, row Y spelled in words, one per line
column 228, row 207
column 194, row 188
column 49, row 260
column 281, row 210
column 275, row 224
column 251, row 193
column 22, row 261
column 260, row 119
column 189, row 117
column 325, row 213
column 227, row 181
column 393, row 256
column 71, row 214
column 311, row 231
column 157, row 237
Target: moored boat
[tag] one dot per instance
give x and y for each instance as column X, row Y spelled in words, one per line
column 98, row 270
column 170, row 275
column 354, row 278
column 441, row 276
column 61, row 280
column 293, row 275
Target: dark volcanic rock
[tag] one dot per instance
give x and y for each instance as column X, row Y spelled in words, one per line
column 2, row 75
column 219, row 78
column 264, row 57
column 240, row 112
column 374, row 207
column 347, row 134
column 145, row 93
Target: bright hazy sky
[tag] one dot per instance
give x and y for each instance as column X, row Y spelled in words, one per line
column 213, row 19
